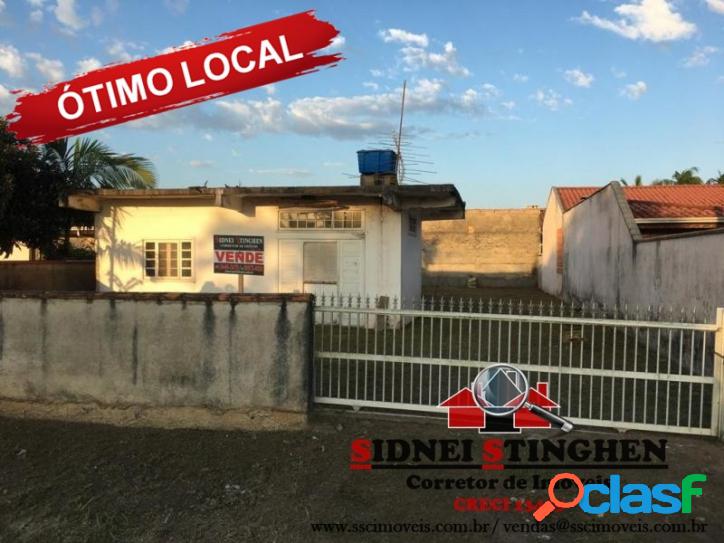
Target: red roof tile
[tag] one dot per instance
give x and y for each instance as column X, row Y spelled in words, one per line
column 659, row 201
column 571, row 196
column 675, row 201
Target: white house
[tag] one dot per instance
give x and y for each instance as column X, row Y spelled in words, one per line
column 342, row 240
column 646, row 246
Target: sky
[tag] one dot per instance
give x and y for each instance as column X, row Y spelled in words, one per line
column 505, row 98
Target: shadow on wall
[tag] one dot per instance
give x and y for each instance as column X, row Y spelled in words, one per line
column 123, row 255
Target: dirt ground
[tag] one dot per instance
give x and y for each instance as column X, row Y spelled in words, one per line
column 95, row 483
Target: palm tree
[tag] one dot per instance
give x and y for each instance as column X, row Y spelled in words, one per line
column 89, row 163
column 637, row 181
column 684, row 177
column 716, row 180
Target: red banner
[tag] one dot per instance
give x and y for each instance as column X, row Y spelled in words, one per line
column 236, row 61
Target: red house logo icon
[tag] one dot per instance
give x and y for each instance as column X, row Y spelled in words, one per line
column 463, row 412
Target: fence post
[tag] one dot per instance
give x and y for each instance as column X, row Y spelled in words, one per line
column 718, row 392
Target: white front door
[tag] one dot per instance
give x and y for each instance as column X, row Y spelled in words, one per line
column 351, row 278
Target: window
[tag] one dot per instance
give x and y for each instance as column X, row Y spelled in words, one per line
column 412, row 225
column 168, row 259
column 320, row 262
column 320, row 220
column 559, row 250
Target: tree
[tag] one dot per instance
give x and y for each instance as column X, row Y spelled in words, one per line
column 637, row 181
column 89, row 163
column 30, row 190
column 716, row 180
column 35, row 180
column 684, row 177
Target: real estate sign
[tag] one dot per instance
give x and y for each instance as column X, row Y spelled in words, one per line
column 241, row 255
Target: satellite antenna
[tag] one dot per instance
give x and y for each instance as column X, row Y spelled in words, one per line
column 400, row 164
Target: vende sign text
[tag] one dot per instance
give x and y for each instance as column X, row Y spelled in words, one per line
column 241, row 255
column 236, row 61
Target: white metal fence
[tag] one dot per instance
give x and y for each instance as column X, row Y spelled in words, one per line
column 638, row 368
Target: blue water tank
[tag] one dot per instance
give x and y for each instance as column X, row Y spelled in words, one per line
column 377, row 161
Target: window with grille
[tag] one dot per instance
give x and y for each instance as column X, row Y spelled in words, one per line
column 412, row 225
column 168, row 259
column 320, row 220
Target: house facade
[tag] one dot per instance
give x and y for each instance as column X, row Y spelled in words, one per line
column 647, row 246
column 341, row 241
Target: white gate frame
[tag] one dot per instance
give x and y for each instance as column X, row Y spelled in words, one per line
column 333, row 318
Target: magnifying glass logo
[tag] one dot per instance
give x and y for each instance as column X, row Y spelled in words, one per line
column 502, row 389
column 547, row 508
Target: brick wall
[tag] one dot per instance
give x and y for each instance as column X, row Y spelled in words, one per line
column 498, row 247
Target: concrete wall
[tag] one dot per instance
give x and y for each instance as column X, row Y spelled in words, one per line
column 122, row 227
column 605, row 259
column 498, row 246
column 550, row 280
column 48, row 275
column 205, row 351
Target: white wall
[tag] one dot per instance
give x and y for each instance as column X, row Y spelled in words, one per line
column 411, row 261
column 122, row 228
column 21, row 253
column 603, row 262
column 549, row 280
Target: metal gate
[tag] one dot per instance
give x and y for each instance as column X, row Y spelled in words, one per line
column 613, row 367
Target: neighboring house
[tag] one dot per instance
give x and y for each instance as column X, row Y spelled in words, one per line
column 653, row 245
column 341, row 240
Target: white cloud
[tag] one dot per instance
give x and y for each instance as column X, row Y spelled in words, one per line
column 88, row 65
column 338, row 42
column 371, row 85
column 376, row 73
column 208, row 137
column 416, row 58
column 520, row 78
column 7, row 100
column 177, row 7
column 490, row 91
column 340, row 117
column 36, row 3
column 96, row 16
column 578, row 78
column 201, row 163
column 11, row 60
column 121, row 50
column 550, row 99
column 287, row 172
column 2, row 6
column 618, row 74
column 634, row 91
column 509, row 105
column 403, row 36
column 36, row 16
column 271, row 90
column 185, row 45
column 653, row 20
column 701, row 56
column 716, row 5
column 51, row 69
column 67, row 16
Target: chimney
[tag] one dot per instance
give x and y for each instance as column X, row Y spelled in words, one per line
column 377, row 167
